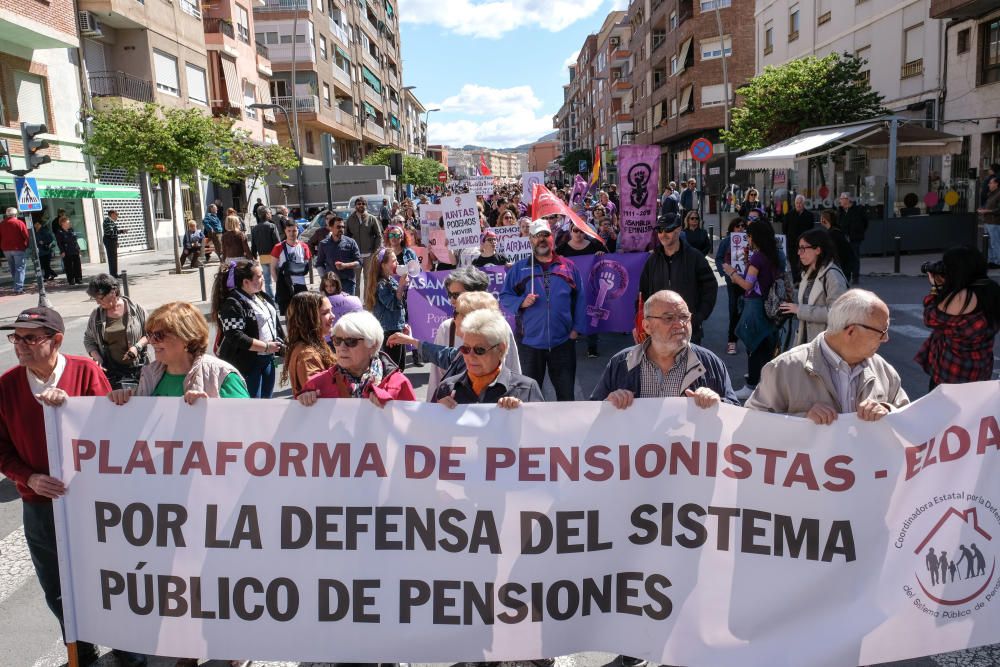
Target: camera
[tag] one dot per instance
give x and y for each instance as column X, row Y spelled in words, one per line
column 936, row 268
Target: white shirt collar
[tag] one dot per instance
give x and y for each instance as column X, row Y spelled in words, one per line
column 38, row 386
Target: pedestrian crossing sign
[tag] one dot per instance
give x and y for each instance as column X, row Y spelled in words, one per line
column 27, row 195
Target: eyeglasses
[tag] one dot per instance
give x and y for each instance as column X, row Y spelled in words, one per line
column 30, row 340
column 350, row 343
column 576, row 231
column 395, row 236
column 478, row 351
column 670, row 320
column 454, row 295
column 882, row 333
column 806, row 247
column 156, row 336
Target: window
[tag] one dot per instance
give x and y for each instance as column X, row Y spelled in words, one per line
column 710, row 5
column 713, row 95
column 197, row 88
column 30, row 98
column 310, row 148
column 673, row 65
column 823, row 13
column 768, row 38
column 326, row 94
column 963, row 40
column 165, row 67
column 673, row 107
column 990, row 60
column 249, row 98
column 712, row 48
column 673, row 20
column 913, row 51
column 864, row 54
column 793, row 23
column 322, row 47
column 242, row 25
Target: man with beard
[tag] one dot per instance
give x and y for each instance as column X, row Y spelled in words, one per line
column 545, row 290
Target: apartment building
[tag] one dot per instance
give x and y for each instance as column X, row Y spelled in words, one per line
column 565, row 120
column 972, row 56
column 341, row 63
column 40, row 82
column 677, row 54
column 541, row 154
column 414, row 125
column 612, row 118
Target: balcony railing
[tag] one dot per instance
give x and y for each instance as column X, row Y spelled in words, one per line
column 912, row 68
column 374, row 130
column 262, row 51
column 283, row 6
column 303, row 103
column 120, row 84
column 220, row 26
column 341, row 76
column 191, row 8
column 339, row 33
column 824, row 18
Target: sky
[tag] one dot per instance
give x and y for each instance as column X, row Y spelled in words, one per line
column 495, row 68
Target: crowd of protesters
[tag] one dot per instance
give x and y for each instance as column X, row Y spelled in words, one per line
column 348, row 338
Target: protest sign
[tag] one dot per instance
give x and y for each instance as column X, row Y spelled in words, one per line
column 639, row 167
column 739, row 250
column 430, row 217
column 528, row 180
column 461, row 221
column 687, row 536
column 511, row 244
column 480, row 185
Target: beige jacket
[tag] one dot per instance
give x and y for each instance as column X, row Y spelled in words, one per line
column 814, row 307
column 207, row 375
column 794, row 381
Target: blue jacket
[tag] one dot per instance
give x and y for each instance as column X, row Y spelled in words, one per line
column 704, row 369
column 212, row 223
column 389, row 308
column 561, row 306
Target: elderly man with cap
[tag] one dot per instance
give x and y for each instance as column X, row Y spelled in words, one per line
column 839, row 371
column 676, row 266
column 546, row 293
column 43, row 376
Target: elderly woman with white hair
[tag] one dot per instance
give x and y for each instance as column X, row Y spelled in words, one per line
column 361, row 371
column 485, row 378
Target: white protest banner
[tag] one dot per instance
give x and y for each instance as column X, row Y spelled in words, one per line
column 480, row 185
column 511, row 244
column 721, row 537
column 528, row 180
column 461, row 221
column 739, row 249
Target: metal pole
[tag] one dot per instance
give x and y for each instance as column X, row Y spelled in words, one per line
column 298, row 156
column 984, row 244
column 890, row 176
column 897, row 251
column 201, row 279
column 725, row 109
column 43, row 298
column 124, row 281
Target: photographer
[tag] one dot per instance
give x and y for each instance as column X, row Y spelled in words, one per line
column 963, row 313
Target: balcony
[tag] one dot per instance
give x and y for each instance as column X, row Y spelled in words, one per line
column 225, row 108
column 619, row 55
column 620, row 86
column 191, row 8
column 262, row 51
column 342, row 77
column 824, row 18
column 339, row 33
column 303, row 103
column 912, row 69
column 263, row 60
column 120, row 84
column 215, row 26
column 373, row 130
column 373, row 64
column 275, row 6
column 960, row 9
column 371, row 95
column 282, row 53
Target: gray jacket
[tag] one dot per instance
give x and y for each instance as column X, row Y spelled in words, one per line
column 135, row 327
column 799, row 378
column 367, row 232
column 814, row 307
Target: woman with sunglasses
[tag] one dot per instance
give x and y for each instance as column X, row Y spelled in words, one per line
column 695, row 234
column 750, row 202
column 178, row 334
column 115, row 336
column 724, row 257
column 395, row 239
column 485, row 379
column 361, row 371
column 508, row 218
column 822, row 282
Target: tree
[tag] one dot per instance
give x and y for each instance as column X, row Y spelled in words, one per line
column 416, row 170
column 571, row 162
column 247, row 160
column 173, row 145
column 808, row 92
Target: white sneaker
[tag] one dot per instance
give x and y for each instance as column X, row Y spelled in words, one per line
column 744, row 393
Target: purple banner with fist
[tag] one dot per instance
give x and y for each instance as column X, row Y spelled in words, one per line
column 610, row 286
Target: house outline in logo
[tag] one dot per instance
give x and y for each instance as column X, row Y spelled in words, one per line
column 971, row 517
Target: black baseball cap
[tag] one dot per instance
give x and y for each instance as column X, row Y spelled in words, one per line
column 668, row 222
column 38, row 318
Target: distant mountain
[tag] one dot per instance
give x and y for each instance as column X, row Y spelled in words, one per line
column 523, row 148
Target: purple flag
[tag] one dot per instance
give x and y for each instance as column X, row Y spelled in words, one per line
column 610, row 287
column 578, row 193
column 639, row 173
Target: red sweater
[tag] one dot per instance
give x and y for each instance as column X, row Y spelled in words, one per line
column 13, row 234
column 23, row 451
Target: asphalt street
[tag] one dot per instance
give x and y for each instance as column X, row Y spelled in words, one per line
column 30, row 635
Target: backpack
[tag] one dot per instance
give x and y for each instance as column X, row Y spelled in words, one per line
column 782, row 291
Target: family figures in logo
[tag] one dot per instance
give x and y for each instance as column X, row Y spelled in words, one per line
column 940, row 566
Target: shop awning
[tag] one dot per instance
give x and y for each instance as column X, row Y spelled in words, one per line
column 872, row 136
column 76, row 189
column 372, row 79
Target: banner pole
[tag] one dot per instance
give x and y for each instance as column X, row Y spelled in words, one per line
column 73, row 655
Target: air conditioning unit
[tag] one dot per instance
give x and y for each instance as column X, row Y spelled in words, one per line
column 89, row 25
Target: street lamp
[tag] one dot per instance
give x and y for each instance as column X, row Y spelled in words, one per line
column 295, row 149
column 426, row 121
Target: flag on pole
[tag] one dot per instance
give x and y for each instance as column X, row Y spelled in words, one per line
column 483, row 169
column 544, row 203
column 578, row 193
column 595, row 175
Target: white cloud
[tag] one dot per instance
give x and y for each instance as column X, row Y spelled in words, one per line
column 619, row 5
column 492, row 19
column 571, row 60
column 517, row 126
column 479, row 100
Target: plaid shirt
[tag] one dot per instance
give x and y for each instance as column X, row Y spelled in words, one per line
column 960, row 347
column 654, row 384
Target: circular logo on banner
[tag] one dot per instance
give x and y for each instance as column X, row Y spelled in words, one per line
column 951, row 542
column 701, row 149
column 931, row 199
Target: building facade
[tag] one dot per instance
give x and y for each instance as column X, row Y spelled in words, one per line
column 542, row 153
column 414, row 127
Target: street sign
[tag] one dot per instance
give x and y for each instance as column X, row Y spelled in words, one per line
column 701, row 149
column 442, row 177
column 26, row 191
column 582, row 167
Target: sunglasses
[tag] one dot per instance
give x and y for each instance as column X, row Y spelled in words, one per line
column 395, row 236
column 664, row 230
column 30, row 340
column 455, row 295
column 349, row 343
column 478, row 351
column 156, row 336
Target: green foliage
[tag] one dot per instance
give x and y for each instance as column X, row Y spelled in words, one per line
column 416, row 171
column 249, row 160
column 571, row 162
column 808, row 92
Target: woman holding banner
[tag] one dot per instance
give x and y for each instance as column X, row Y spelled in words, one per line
column 310, row 324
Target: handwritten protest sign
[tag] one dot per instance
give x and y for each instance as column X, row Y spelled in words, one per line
column 511, row 244
column 461, row 221
column 687, row 536
column 480, row 185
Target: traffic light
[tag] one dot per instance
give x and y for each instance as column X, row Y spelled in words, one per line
column 4, row 155
column 396, row 164
column 31, row 145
